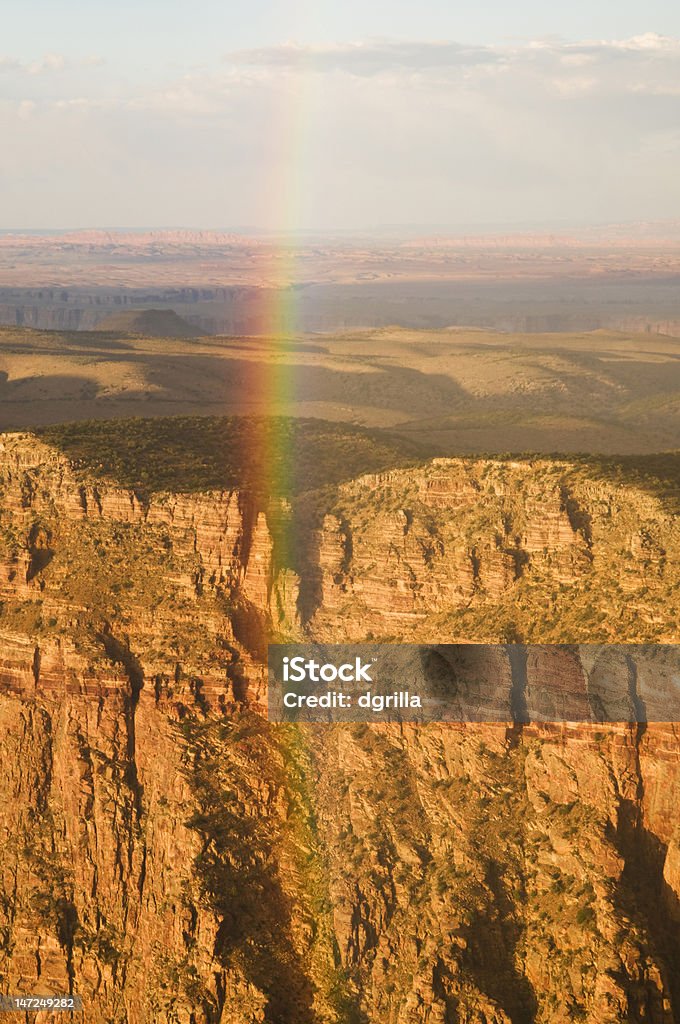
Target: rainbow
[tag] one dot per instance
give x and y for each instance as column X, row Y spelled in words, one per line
column 278, row 316
column 275, row 386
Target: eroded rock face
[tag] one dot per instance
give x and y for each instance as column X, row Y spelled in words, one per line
column 169, row 856
column 490, row 550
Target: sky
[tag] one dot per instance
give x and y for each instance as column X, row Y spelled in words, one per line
column 315, row 115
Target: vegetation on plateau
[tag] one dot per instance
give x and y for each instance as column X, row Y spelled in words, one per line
column 270, row 456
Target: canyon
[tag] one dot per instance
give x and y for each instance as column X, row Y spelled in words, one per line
column 169, row 855
column 621, row 277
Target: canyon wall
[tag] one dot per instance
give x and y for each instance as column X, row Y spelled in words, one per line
column 638, row 305
column 168, row 855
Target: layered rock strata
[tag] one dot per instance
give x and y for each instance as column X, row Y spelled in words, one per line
column 168, row 855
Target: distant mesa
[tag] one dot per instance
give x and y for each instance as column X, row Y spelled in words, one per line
column 155, row 323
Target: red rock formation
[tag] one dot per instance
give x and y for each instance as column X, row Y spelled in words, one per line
column 168, row 855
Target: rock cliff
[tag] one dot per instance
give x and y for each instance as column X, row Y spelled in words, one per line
column 168, row 855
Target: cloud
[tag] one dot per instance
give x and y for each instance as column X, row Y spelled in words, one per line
column 419, row 55
column 49, row 63
column 650, row 57
column 80, row 103
column 648, row 43
column 500, row 76
column 375, row 131
column 366, row 58
column 25, row 109
column 9, row 64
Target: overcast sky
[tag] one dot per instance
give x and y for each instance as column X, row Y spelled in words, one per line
column 311, row 114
